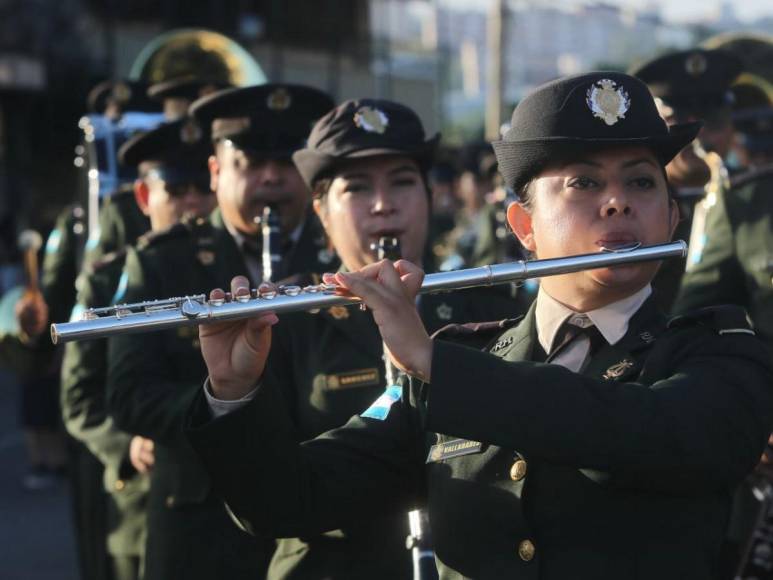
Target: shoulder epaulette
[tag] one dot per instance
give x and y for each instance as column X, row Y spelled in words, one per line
column 153, row 238
column 724, row 319
column 109, row 259
column 476, row 330
column 751, row 175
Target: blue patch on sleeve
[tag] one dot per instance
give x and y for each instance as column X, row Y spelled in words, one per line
column 698, row 254
column 380, row 407
column 120, row 292
column 77, row 312
column 93, row 240
column 52, row 244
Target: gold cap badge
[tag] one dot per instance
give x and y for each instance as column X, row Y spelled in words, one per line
column 279, row 100
column 696, row 64
column 371, row 120
column 607, row 101
column 190, row 133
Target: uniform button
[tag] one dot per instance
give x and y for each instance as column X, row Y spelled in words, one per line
column 526, row 550
column 170, row 501
column 518, row 470
column 120, row 484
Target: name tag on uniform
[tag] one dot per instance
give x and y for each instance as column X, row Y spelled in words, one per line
column 453, row 448
column 353, row 379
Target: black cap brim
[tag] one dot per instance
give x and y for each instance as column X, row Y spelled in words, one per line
column 313, row 165
column 520, row 161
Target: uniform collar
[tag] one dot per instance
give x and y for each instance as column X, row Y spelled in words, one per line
column 611, row 320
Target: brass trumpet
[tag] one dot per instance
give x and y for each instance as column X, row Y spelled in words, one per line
column 194, row 310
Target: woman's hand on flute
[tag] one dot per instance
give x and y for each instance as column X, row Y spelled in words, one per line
column 390, row 290
column 236, row 351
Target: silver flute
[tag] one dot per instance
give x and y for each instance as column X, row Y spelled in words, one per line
column 194, row 310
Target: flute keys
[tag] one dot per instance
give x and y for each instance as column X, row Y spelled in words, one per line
column 291, row 290
column 267, row 293
column 243, row 298
column 217, row 301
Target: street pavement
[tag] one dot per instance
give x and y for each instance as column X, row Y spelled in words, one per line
column 36, row 534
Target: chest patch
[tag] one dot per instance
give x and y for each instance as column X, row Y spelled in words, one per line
column 453, row 448
column 352, row 379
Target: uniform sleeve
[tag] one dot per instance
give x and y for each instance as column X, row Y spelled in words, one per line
column 702, row 427
column 83, row 388
column 146, row 395
column 716, row 277
column 278, row 487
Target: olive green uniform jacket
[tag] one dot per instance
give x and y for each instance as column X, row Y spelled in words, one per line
column 629, row 464
column 736, row 263
column 151, row 379
column 84, row 409
column 121, row 222
column 735, row 266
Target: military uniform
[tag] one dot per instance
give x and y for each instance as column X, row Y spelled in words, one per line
column 537, row 495
column 85, row 415
column 333, row 368
column 121, row 222
column 691, row 84
column 152, row 378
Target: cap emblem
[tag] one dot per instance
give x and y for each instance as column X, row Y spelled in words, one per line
column 696, row 64
column 122, row 92
column 607, row 101
column 190, row 133
column 371, row 120
column 279, row 100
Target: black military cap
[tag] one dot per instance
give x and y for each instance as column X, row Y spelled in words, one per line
column 363, row 128
column 691, row 78
column 753, row 116
column 274, row 119
column 188, row 87
column 180, row 149
column 584, row 113
column 127, row 95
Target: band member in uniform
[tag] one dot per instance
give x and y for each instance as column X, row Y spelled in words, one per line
column 173, row 183
column 594, row 439
column 151, row 378
column 366, row 163
column 735, row 266
column 176, row 95
column 693, row 85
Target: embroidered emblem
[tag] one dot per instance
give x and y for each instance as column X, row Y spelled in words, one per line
column 279, row 100
column 206, row 257
column 617, row 370
column 607, row 101
column 379, row 410
column 325, row 256
column 122, row 93
column 339, row 312
column 695, row 64
column 371, row 120
column 190, row 133
column 647, row 336
column 505, row 342
column 444, row 312
column 454, row 448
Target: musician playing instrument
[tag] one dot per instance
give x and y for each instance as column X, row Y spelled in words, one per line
column 366, row 163
column 151, row 378
column 594, row 439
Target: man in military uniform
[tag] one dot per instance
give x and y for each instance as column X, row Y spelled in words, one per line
column 693, row 85
column 152, row 377
column 735, row 266
column 173, row 183
column 593, row 440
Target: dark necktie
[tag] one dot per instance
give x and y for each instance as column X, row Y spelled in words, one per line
column 570, row 332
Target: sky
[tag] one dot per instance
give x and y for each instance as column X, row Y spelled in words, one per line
column 672, row 10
